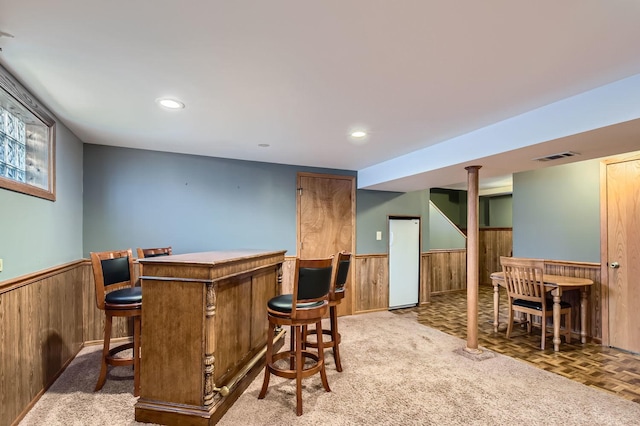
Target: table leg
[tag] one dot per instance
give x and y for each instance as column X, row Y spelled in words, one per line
column 556, row 293
column 583, row 314
column 496, row 305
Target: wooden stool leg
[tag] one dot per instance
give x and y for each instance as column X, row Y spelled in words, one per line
column 105, row 352
column 305, row 333
column 299, row 368
column 268, row 360
column 292, row 347
column 543, row 331
column 136, row 355
column 335, row 336
column 323, row 372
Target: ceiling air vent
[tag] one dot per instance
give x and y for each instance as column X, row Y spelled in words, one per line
column 556, row 156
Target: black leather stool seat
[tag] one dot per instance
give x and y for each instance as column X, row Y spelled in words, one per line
column 125, row 296
column 284, row 302
column 537, row 305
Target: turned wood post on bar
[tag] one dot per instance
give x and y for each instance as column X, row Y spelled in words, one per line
column 472, row 259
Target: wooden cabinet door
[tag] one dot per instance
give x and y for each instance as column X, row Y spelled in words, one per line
column 326, row 221
column 623, row 253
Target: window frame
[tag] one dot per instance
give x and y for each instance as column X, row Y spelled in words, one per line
column 19, row 96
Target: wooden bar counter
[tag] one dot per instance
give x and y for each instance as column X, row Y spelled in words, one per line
column 204, row 329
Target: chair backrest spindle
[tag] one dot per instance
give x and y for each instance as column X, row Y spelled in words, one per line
column 524, row 278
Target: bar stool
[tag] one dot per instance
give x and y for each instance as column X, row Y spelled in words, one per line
column 117, row 296
column 152, row 252
column 338, row 280
column 306, row 305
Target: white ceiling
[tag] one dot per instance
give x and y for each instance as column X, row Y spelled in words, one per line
column 300, row 75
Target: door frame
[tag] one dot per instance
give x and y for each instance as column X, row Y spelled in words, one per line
column 405, row 217
column 352, row 180
column 604, row 240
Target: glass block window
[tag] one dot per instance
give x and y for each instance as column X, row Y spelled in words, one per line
column 27, row 141
column 13, row 147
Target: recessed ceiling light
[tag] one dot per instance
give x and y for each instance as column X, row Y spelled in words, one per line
column 170, row 103
column 358, row 134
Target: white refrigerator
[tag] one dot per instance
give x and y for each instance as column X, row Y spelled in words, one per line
column 404, row 262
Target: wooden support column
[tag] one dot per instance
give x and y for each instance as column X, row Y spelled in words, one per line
column 472, row 259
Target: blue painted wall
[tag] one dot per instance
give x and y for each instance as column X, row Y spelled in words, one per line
column 37, row 234
column 137, row 198
column 373, row 209
column 500, row 211
column 556, row 212
column 443, row 234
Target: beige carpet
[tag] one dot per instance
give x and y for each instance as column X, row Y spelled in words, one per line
column 396, row 371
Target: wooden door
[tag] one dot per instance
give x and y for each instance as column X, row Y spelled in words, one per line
column 326, row 221
column 622, row 261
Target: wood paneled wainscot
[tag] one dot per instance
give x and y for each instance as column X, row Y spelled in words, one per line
column 204, row 327
column 45, row 319
column 595, row 302
column 494, row 242
column 447, row 270
column 41, row 330
column 372, row 283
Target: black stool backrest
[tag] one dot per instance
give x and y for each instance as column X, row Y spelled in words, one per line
column 343, row 272
column 311, row 286
column 115, row 271
column 342, row 261
column 313, row 283
column 154, row 252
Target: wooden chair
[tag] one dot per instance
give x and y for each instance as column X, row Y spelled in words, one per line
column 338, row 280
column 307, row 305
column 524, row 279
column 117, row 296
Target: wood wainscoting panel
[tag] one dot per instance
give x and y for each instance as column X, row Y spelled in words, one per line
column 448, row 270
column 494, row 242
column 40, row 333
column 371, row 289
column 425, row 270
column 581, row 270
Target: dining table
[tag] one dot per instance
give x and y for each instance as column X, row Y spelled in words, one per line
column 556, row 284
